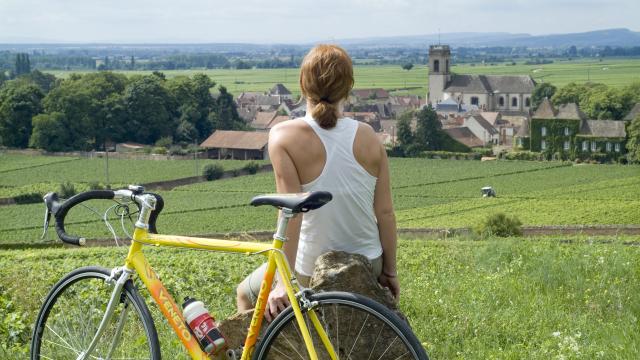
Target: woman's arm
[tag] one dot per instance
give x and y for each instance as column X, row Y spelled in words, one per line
column 383, row 208
column 287, row 181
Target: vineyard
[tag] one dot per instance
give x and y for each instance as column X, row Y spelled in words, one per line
column 427, row 194
column 502, row 298
column 23, row 174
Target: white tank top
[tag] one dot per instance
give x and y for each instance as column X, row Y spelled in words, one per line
column 346, row 223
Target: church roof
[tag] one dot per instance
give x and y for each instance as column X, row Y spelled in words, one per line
column 488, row 84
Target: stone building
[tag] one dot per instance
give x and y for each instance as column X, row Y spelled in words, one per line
column 505, row 93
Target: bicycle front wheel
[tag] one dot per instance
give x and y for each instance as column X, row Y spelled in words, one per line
column 73, row 310
column 357, row 327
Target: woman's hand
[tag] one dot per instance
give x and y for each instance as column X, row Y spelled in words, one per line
column 391, row 283
column 277, row 302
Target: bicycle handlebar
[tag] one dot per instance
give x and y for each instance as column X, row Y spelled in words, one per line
column 60, row 209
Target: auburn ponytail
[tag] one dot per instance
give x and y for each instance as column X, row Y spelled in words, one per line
column 326, row 78
column 325, row 114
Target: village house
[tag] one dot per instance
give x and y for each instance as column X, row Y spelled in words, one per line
column 240, row 145
column 364, row 95
column 482, row 129
column 634, row 113
column 566, row 129
column 464, row 136
column 281, row 91
column 504, row 93
column 370, row 118
column 401, row 104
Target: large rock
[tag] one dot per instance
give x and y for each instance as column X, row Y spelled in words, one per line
column 334, row 271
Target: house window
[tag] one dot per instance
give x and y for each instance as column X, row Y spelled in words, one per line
column 566, row 131
column 566, row 145
column 527, row 102
column 501, row 101
column 608, row 146
column 593, row 146
column 436, row 66
column 585, row 145
column 475, row 100
column 543, row 145
column 514, row 102
column 543, row 131
column 617, row 147
column 518, row 141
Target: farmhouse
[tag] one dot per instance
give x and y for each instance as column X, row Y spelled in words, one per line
column 242, row 145
column 482, row 129
column 504, row 93
column 567, row 130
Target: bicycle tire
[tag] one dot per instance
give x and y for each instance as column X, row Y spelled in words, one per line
column 280, row 341
column 81, row 294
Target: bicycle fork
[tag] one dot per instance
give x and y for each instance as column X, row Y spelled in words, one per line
column 119, row 276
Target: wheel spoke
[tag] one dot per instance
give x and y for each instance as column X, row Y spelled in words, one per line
column 367, row 330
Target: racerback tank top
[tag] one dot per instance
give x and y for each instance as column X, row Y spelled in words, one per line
column 346, row 223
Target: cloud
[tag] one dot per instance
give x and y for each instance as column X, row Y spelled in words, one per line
column 299, row 20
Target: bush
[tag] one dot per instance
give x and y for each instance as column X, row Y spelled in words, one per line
column 67, row 190
column 212, row 171
column 30, row 198
column 159, row 150
column 252, row 167
column 164, row 142
column 499, row 225
column 95, row 185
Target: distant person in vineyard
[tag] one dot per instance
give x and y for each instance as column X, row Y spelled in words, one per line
column 326, row 151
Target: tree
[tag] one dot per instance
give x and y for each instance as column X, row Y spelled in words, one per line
column 633, row 142
column 609, row 104
column 19, row 103
column 148, row 109
column 407, row 66
column 193, row 102
column 45, row 82
column 572, row 51
column 49, row 132
column 540, row 92
column 428, row 129
column 91, row 106
column 22, row 64
column 404, row 133
column 226, row 114
column 575, row 93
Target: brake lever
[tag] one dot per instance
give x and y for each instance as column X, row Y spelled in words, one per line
column 47, row 218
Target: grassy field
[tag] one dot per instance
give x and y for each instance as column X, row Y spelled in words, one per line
column 427, row 194
column 614, row 72
column 542, row 298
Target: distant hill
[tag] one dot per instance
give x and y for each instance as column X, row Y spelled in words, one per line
column 610, row 37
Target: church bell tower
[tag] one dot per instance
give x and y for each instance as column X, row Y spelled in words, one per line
column 439, row 75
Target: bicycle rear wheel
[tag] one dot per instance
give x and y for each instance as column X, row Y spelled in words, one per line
column 74, row 308
column 358, row 328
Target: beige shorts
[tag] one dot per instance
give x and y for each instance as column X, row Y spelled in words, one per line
column 250, row 286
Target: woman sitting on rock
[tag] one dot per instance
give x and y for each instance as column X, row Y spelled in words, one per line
column 329, row 152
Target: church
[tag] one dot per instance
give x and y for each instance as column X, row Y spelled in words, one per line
column 508, row 94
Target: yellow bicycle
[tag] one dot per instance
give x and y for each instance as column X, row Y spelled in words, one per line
column 97, row 313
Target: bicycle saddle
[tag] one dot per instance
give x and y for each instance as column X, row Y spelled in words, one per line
column 298, row 202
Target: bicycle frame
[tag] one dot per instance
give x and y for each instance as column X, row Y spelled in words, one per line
column 276, row 262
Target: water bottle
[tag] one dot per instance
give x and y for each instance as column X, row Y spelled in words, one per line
column 203, row 326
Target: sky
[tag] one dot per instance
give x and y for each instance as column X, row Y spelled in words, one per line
column 297, row 21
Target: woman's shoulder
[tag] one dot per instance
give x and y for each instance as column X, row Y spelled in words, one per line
column 288, row 129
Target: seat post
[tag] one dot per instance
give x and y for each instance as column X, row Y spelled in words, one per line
column 283, row 221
